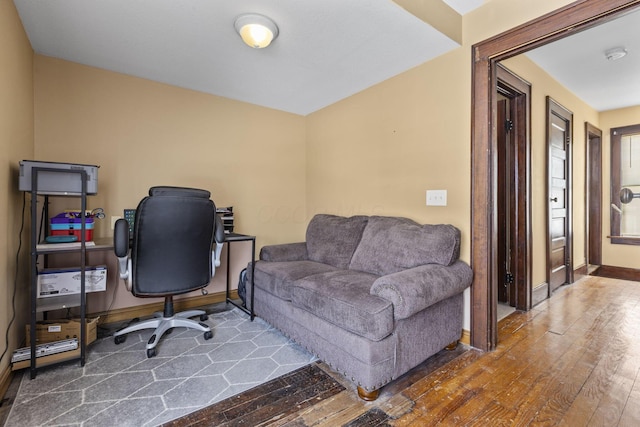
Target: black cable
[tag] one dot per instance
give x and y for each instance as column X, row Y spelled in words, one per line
column 15, row 281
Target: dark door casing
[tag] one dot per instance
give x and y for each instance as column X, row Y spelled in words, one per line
column 594, row 195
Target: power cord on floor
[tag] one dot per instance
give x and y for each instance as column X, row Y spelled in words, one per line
column 15, row 280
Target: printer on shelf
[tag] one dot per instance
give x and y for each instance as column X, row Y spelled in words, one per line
column 58, row 182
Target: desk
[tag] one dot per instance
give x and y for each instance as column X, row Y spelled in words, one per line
column 235, row 237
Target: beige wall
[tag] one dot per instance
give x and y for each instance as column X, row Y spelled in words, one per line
column 143, row 133
column 615, row 255
column 542, row 85
column 16, row 143
column 379, row 151
column 497, row 16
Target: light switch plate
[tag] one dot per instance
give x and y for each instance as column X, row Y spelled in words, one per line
column 436, row 197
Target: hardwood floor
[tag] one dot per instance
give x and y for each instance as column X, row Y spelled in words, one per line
column 574, row 360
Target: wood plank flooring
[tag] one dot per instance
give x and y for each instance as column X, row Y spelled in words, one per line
column 574, row 360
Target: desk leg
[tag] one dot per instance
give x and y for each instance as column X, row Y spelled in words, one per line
column 228, row 271
column 247, row 308
column 253, row 263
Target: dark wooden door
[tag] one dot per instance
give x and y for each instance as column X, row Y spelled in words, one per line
column 559, row 195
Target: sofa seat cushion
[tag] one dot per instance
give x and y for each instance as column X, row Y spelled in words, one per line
column 277, row 278
column 343, row 299
column 393, row 244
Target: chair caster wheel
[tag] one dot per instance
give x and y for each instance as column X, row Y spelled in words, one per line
column 151, row 352
column 204, row 317
column 208, row 335
column 119, row 339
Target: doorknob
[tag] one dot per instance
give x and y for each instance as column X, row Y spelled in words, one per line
column 555, row 199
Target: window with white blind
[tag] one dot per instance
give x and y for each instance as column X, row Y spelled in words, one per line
column 625, row 185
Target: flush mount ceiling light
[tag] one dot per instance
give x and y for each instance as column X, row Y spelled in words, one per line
column 257, row 31
column 615, row 53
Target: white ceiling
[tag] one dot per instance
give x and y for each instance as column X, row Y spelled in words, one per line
column 326, row 51
column 578, row 62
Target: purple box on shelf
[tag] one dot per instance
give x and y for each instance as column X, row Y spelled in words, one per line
column 71, row 221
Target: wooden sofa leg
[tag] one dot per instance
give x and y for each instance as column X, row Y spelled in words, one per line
column 452, row 346
column 368, row 396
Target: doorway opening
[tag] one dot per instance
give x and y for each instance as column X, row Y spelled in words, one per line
column 513, row 193
column 485, row 57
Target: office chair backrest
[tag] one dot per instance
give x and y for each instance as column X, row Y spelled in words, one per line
column 172, row 241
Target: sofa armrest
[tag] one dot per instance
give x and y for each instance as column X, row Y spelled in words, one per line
column 284, row 252
column 415, row 289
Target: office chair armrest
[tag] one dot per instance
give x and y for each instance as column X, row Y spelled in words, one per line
column 121, row 249
column 219, row 237
column 216, row 254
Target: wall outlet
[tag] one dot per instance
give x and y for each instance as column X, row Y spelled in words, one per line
column 436, row 197
column 113, row 221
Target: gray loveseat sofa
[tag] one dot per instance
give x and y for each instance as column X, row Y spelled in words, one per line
column 372, row 296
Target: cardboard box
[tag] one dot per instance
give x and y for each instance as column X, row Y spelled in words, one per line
column 47, row 360
column 56, row 330
column 54, row 282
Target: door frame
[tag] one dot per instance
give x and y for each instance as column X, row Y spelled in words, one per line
column 593, row 191
column 485, row 55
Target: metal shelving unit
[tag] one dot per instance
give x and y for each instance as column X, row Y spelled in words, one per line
column 61, row 302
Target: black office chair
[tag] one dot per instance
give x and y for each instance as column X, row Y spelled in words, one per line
column 171, row 253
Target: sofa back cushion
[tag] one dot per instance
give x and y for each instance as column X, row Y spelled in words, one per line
column 332, row 239
column 393, row 244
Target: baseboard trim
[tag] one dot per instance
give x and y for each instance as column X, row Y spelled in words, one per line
column 466, row 337
column 614, row 272
column 539, row 294
column 581, row 271
column 128, row 313
column 5, row 380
